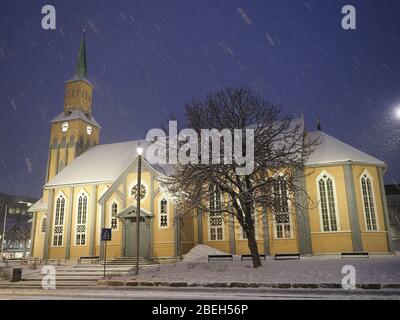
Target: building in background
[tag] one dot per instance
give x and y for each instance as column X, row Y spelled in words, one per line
column 18, row 225
column 393, row 202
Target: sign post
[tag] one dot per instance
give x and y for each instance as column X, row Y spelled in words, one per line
column 105, row 236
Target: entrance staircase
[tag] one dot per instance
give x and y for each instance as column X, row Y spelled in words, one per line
column 131, row 261
column 80, row 275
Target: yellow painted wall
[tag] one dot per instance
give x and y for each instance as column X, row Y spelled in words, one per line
column 222, row 245
column 58, row 252
column 114, row 247
column 373, row 241
column 39, row 236
column 163, row 239
column 78, row 94
column 277, row 245
column 81, row 250
column 187, row 234
column 329, row 242
column 163, row 245
column 77, row 128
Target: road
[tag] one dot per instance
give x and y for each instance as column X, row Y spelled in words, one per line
column 101, row 293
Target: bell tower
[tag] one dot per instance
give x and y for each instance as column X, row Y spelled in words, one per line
column 74, row 130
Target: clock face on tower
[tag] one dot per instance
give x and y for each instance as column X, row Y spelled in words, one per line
column 89, row 130
column 64, row 127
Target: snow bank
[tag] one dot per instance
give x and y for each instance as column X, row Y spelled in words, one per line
column 200, row 254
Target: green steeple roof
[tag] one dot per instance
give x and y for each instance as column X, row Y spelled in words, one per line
column 81, row 65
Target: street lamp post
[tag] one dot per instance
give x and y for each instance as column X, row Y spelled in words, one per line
column 138, row 189
column 4, row 234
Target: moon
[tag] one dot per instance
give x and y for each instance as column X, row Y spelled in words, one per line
column 397, row 112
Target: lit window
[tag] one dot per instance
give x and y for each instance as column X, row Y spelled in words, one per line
column 44, row 225
column 281, row 209
column 114, row 219
column 216, row 222
column 59, row 222
column 163, row 216
column 368, row 202
column 327, row 203
column 81, row 220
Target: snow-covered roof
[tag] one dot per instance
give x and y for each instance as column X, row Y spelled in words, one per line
column 100, row 164
column 75, row 114
column 40, row 205
column 332, row 150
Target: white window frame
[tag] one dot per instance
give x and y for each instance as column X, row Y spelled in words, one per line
column 371, row 179
column 61, row 195
column 319, row 177
column 275, row 223
column 41, row 224
column 112, row 202
column 163, row 214
column 80, row 194
column 209, row 220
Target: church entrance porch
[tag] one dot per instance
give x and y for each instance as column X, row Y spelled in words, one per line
column 128, row 219
column 130, row 238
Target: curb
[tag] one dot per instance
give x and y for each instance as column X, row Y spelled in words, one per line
column 180, row 284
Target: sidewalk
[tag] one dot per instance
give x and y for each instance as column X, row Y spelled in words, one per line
column 377, row 272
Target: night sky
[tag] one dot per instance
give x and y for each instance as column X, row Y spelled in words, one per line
column 146, row 58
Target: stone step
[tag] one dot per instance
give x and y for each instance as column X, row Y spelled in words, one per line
column 34, row 285
column 77, row 276
column 65, row 279
column 114, row 267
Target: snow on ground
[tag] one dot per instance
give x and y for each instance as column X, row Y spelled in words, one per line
column 327, row 269
column 200, row 254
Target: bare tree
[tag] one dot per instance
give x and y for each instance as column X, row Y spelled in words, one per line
column 280, row 152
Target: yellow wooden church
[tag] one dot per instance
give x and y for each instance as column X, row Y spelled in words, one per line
column 90, row 186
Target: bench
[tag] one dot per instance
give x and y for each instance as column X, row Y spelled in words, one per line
column 95, row 259
column 13, row 260
column 56, row 261
column 286, row 256
column 355, row 255
column 249, row 257
column 220, row 257
column 29, row 260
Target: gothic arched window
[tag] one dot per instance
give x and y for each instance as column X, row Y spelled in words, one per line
column 43, row 225
column 215, row 219
column 328, row 205
column 163, row 214
column 81, row 220
column 114, row 219
column 281, row 209
column 59, row 221
column 368, row 202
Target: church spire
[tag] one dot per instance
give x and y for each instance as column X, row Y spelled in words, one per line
column 78, row 89
column 81, row 65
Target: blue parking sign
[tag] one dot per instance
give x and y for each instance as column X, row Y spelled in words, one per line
column 106, row 234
